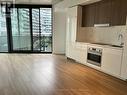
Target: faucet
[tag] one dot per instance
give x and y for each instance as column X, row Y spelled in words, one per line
column 120, row 37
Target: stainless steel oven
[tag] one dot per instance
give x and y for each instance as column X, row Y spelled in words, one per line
column 94, row 56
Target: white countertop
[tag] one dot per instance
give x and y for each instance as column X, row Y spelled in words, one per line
column 107, row 46
column 101, row 46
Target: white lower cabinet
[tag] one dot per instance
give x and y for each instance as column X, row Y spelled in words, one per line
column 111, row 58
column 81, row 53
column 68, row 54
column 112, row 61
column 70, row 51
column 77, row 52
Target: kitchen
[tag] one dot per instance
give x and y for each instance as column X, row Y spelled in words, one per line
column 96, row 35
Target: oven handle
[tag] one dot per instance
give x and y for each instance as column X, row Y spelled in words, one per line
column 100, row 54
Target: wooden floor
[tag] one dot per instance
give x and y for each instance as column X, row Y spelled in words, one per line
column 36, row 74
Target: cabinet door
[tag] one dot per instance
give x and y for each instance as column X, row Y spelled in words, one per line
column 73, row 11
column 72, row 23
column 111, row 61
column 71, row 51
column 123, row 11
column 119, row 12
column 81, row 53
column 116, row 18
column 71, row 32
column 88, row 15
column 73, row 28
column 103, row 12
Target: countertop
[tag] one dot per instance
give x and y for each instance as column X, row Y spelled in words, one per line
column 102, row 45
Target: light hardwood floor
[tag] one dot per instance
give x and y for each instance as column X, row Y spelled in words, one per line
column 38, row 74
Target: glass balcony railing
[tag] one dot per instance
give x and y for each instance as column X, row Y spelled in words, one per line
column 3, row 44
column 44, row 43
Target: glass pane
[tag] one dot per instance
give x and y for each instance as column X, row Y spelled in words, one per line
column 35, row 28
column 46, row 29
column 3, row 32
column 21, row 29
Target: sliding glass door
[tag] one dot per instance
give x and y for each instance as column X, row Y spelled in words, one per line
column 42, row 29
column 46, row 29
column 3, row 32
column 28, row 29
column 20, row 24
column 36, row 30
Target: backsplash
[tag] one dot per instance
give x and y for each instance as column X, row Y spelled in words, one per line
column 108, row 35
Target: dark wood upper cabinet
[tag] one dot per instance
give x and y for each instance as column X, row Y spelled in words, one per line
column 103, row 12
column 88, row 15
column 113, row 12
column 116, row 7
column 118, row 13
column 123, row 11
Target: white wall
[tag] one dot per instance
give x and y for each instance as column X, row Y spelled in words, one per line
column 59, row 30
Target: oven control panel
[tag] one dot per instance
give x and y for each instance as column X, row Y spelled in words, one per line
column 96, row 50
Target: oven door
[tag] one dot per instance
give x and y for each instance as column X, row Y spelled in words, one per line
column 94, row 58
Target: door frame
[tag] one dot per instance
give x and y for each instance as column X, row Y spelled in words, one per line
column 9, row 28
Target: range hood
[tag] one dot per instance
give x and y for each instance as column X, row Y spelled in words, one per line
column 102, row 25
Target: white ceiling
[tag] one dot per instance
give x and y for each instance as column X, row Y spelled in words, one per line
column 34, row 1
